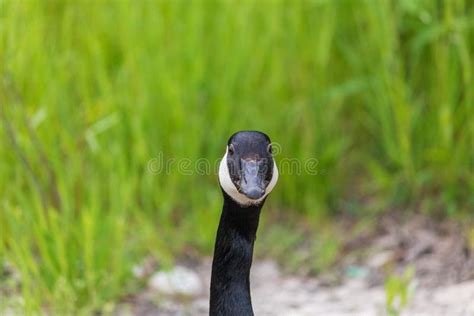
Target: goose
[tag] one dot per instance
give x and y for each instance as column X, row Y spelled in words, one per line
column 247, row 174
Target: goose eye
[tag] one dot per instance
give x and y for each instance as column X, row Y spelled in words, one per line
column 270, row 149
column 231, row 149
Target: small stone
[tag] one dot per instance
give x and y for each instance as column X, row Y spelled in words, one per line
column 144, row 268
column 381, row 259
column 138, row 271
column 179, row 281
column 357, row 272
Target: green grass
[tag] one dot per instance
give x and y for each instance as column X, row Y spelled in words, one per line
column 399, row 291
column 380, row 92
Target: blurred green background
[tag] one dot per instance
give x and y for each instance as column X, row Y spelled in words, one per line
column 379, row 92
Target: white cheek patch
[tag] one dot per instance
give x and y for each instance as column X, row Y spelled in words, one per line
column 229, row 187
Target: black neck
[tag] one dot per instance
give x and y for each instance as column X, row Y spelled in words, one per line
column 230, row 286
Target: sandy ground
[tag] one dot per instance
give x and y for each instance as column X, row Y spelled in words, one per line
column 276, row 294
column 439, row 253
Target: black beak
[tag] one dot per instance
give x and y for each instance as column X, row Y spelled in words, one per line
column 252, row 179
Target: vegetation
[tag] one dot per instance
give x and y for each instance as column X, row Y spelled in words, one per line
column 94, row 93
column 399, row 291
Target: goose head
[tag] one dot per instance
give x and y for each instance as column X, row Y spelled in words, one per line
column 247, row 172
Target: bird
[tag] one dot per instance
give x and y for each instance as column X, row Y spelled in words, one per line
column 247, row 174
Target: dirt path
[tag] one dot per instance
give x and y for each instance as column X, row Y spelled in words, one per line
column 439, row 253
column 276, row 294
